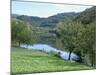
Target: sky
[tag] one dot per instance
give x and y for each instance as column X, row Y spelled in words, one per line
column 43, row 9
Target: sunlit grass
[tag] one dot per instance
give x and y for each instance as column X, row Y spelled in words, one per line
column 32, row 61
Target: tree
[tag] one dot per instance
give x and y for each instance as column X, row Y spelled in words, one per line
column 21, row 32
column 16, row 27
column 68, row 34
column 87, row 43
column 80, row 39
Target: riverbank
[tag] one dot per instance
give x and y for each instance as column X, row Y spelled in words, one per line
column 32, row 61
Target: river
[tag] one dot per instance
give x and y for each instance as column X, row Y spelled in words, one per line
column 47, row 48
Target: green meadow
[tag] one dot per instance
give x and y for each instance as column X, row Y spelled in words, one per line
column 33, row 61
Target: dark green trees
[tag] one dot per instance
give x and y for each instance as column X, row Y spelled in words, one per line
column 88, row 44
column 69, row 33
column 21, row 32
column 79, row 36
column 75, row 37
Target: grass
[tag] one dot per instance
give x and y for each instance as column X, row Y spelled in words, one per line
column 32, row 61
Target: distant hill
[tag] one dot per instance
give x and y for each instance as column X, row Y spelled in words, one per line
column 84, row 17
column 87, row 16
column 46, row 22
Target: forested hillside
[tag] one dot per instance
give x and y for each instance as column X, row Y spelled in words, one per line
column 45, row 26
column 46, row 22
column 87, row 16
column 79, row 36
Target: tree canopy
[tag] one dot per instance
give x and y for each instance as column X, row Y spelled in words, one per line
column 79, row 36
column 22, row 32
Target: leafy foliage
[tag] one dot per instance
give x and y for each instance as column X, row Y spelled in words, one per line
column 87, row 16
column 21, row 32
column 88, row 43
column 79, row 36
column 68, row 34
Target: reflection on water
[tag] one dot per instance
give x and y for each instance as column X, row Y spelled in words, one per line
column 44, row 47
column 47, row 48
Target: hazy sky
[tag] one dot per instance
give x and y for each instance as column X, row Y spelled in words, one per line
column 43, row 9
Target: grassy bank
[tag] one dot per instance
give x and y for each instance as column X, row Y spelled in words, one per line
column 32, row 61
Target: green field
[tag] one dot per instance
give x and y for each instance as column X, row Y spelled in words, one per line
column 32, row 61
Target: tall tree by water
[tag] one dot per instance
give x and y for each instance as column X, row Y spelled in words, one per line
column 68, row 33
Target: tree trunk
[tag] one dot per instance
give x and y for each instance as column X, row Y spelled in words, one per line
column 19, row 43
column 69, row 55
column 92, row 62
column 92, row 59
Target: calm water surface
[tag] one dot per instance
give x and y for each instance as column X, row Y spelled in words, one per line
column 47, row 48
